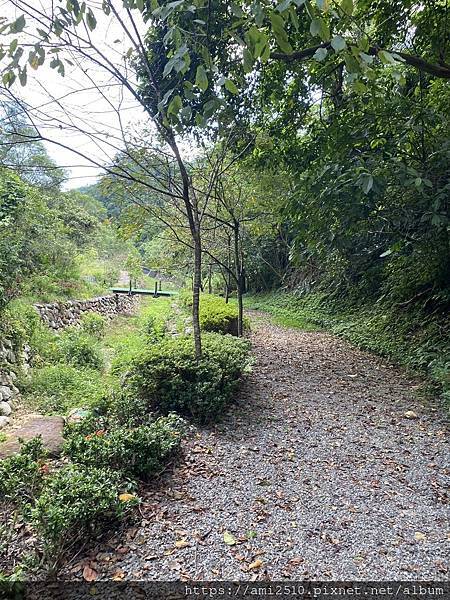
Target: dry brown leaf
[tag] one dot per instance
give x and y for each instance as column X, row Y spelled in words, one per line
column 410, row 414
column 118, row 575
column 89, row 574
column 181, row 544
column 256, row 564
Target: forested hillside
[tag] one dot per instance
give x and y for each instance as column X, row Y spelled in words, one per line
column 264, row 185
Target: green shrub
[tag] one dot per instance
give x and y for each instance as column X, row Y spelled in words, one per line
column 58, row 388
column 21, row 475
column 139, row 451
column 169, row 377
column 215, row 314
column 122, row 407
column 94, row 325
column 78, row 348
column 154, row 328
column 18, row 322
column 75, row 502
column 72, row 346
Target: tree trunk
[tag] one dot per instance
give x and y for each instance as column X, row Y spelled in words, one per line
column 238, row 271
column 210, row 279
column 197, row 284
column 191, row 207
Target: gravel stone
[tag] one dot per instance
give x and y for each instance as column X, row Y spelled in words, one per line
column 315, row 472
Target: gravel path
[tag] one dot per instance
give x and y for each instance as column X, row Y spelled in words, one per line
column 316, row 473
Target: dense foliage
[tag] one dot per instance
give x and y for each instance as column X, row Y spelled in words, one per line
column 170, row 378
column 138, row 451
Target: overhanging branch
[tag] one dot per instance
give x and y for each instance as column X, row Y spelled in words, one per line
column 437, row 70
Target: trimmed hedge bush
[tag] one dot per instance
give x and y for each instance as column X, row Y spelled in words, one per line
column 169, row 377
column 74, row 502
column 215, row 314
column 139, row 451
column 21, row 475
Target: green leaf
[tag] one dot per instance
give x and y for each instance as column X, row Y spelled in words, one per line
column 284, row 5
column 231, row 87
column 323, row 5
column 281, row 36
column 201, row 79
column 18, row 25
column 320, row 54
column 236, row 10
column 338, row 43
column 359, row 87
column 13, row 46
column 91, row 20
column 229, row 539
column 363, row 43
column 23, row 76
column 175, row 106
column 248, row 61
column 8, row 78
column 366, row 182
column 347, row 6
column 320, row 28
column 42, row 33
column 186, row 113
column 386, row 58
column 387, row 253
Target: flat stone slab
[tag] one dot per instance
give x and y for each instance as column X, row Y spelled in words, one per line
column 49, row 428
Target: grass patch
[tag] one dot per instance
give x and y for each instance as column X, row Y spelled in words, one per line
column 284, row 311
column 55, row 389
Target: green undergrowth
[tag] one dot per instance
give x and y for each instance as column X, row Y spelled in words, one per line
column 72, row 368
column 216, row 315
column 408, row 335
column 131, row 383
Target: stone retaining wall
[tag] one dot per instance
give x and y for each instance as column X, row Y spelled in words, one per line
column 64, row 314
column 56, row 315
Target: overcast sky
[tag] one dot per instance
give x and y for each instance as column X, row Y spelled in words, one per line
column 60, row 105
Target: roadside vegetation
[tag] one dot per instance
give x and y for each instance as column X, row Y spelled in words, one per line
column 293, row 156
column 126, row 386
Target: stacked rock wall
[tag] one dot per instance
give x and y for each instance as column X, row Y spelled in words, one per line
column 56, row 315
column 64, row 314
column 11, row 363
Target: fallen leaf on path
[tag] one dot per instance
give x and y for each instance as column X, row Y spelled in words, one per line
column 229, row 539
column 419, row 537
column 181, row 544
column 410, row 414
column 126, row 497
column 255, row 564
column 118, row 575
column 89, row 574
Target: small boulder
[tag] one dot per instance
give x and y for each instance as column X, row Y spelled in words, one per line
column 5, row 409
column 49, row 428
column 5, row 392
column 3, row 421
column 76, row 415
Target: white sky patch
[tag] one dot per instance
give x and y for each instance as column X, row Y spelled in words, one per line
column 86, row 112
